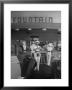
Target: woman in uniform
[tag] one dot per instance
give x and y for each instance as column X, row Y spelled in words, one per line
column 49, row 52
column 37, row 54
column 24, row 46
column 33, row 47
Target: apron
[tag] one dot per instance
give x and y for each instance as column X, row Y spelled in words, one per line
column 33, row 50
column 37, row 56
column 49, row 54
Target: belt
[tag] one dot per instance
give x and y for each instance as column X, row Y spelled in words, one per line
column 48, row 51
column 37, row 51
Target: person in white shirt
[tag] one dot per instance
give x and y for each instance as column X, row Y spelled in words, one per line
column 24, row 46
column 49, row 50
column 37, row 54
column 33, row 47
column 59, row 45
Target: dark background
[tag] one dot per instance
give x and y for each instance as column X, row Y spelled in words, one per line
column 50, row 35
column 1, row 33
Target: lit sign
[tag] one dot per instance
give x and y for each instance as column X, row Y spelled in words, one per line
column 20, row 20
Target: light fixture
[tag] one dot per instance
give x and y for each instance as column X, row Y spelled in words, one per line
column 17, row 29
column 29, row 29
column 44, row 29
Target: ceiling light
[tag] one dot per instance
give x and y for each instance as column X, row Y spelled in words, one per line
column 17, row 29
column 29, row 29
column 44, row 29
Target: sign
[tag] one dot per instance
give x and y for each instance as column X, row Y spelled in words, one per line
column 21, row 20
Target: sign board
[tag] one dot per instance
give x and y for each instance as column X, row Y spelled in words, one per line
column 20, row 20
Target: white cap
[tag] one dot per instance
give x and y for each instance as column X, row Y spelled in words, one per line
column 50, row 44
column 37, row 41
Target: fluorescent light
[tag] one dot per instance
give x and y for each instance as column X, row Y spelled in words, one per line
column 29, row 29
column 17, row 29
column 44, row 29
